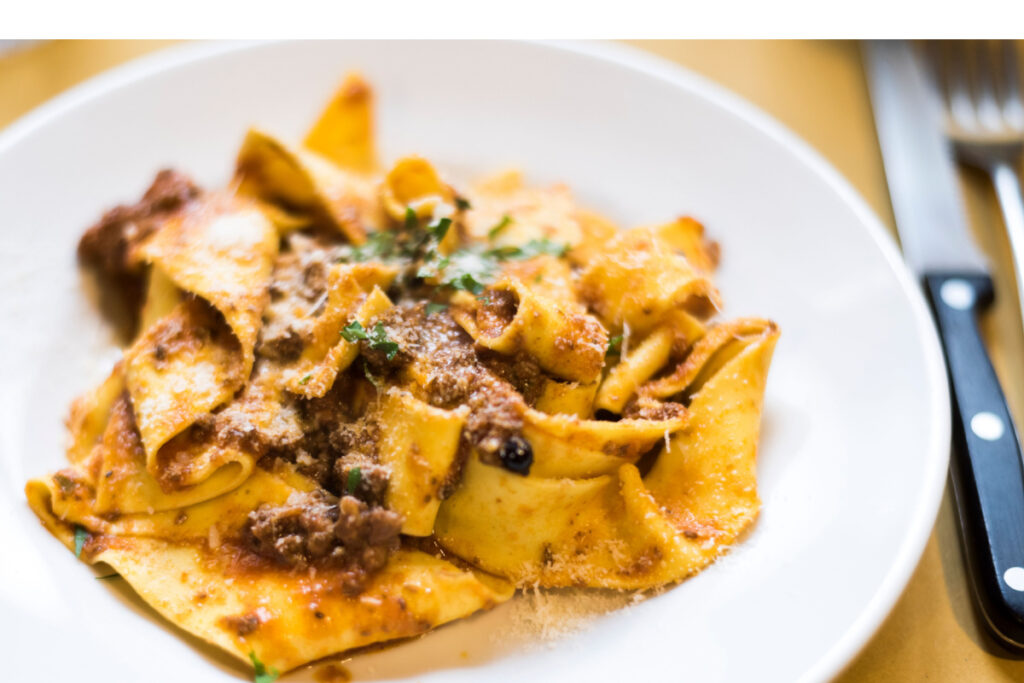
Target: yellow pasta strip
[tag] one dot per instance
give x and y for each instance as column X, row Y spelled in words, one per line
column 303, row 181
column 418, row 444
column 344, row 131
column 646, row 359
column 511, row 317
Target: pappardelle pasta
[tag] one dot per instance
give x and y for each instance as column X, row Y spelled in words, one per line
column 360, row 403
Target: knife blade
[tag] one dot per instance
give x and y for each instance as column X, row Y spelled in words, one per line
column 922, row 181
column 986, row 467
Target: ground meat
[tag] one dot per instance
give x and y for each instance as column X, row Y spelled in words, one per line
column 332, row 427
column 282, row 343
column 298, row 292
column 447, row 371
column 520, row 370
column 642, row 408
column 313, row 529
column 493, row 420
column 371, row 482
column 497, row 312
column 242, row 625
column 109, row 245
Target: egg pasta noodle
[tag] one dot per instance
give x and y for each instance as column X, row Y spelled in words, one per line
column 360, row 402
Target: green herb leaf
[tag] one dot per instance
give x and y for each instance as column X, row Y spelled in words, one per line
column 262, row 674
column 353, row 332
column 379, row 246
column 504, row 253
column 412, row 221
column 81, row 536
column 499, row 226
column 433, row 308
column 614, row 345
column 467, row 269
column 468, row 282
column 378, row 338
column 538, row 278
column 529, row 250
column 462, row 204
column 439, row 229
column 355, row 475
column 305, row 380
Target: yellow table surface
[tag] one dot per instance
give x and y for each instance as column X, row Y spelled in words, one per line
column 817, row 89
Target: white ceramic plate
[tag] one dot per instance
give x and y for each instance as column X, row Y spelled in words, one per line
column 854, row 447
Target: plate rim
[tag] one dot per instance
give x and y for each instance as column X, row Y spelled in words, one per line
column 888, row 591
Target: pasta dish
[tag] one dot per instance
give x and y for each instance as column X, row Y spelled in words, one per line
column 359, row 402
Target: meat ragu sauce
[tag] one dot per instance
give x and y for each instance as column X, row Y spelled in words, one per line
column 333, row 439
column 109, row 246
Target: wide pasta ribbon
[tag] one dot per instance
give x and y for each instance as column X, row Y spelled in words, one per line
column 678, row 329
column 639, row 276
column 223, row 252
column 511, row 317
column 194, row 354
column 306, row 184
column 624, row 530
column 524, row 213
column 419, row 444
column 177, row 564
column 109, row 473
column 344, row 131
column 354, row 294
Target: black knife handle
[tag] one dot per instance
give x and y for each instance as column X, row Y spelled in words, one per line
column 988, row 475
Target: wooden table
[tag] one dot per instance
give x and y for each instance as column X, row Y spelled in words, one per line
column 816, row 89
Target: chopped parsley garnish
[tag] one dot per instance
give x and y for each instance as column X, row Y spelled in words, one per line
column 379, row 341
column 614, row 345
column 439, row 229
column 470, row 268
column 355, row 475
column 499, row 226
column 411, row 219
column 467, row 282
column 538, row 278
column 377, row 337
column 529, row 250
column 353, row 332
column 81, row 536
column 462, row 204
column 305, row 380
column 467, row 269
column 260, row 673
column 379, row 246
column 433, row 308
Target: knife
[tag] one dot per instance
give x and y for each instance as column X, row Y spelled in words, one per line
column 986, row 468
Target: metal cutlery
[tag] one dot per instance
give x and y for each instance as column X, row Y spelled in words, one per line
column 986, row 467
column 985, row 123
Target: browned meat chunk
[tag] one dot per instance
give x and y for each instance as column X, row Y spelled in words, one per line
column 109, row 246
column 448, row 372
column 313, row 529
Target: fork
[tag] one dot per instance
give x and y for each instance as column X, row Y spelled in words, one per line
column 985, row 124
